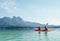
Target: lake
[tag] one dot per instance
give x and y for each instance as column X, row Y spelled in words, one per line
column 29, row 35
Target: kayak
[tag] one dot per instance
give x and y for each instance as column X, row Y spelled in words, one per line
column 43, row 30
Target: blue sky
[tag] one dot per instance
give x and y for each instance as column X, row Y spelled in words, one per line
column 40, row 11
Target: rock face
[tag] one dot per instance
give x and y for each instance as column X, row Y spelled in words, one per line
column 16, row 21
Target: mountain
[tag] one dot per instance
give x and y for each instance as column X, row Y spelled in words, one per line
column 19, row 22
column 16, row 21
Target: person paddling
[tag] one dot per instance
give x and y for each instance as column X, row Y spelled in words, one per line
column 39, row 28
column 46, row 27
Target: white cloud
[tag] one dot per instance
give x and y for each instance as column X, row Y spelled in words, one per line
column 8, row 5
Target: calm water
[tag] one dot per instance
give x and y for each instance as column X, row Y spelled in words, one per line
column 29, row 35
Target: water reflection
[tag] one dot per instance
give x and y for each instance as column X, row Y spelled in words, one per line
column 44, row 35
column 39, row 33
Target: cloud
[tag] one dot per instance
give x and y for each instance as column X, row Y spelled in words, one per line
column 8, row 5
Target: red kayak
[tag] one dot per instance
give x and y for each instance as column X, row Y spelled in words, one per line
column 43, row 30
column 46, row 30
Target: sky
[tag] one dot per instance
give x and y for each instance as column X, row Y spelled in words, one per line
column 40, row 11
